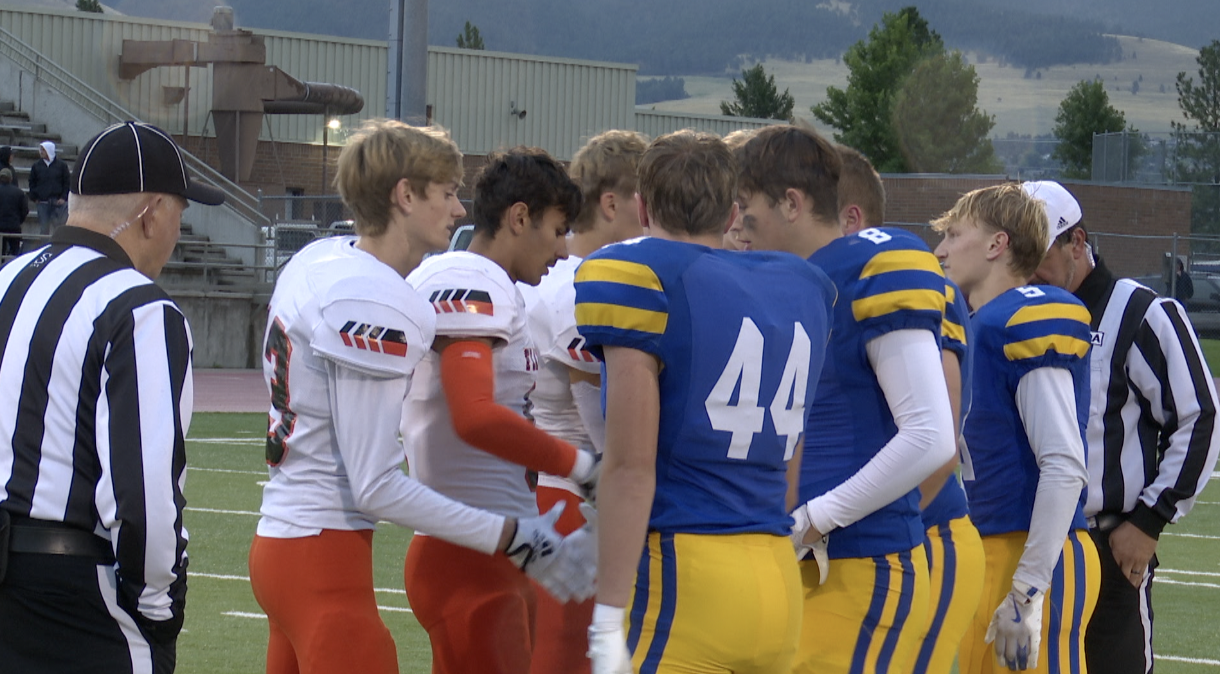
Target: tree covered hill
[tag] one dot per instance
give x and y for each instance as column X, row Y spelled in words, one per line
column 714, row 36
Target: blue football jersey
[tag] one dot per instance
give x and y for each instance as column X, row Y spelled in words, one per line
column 887, row 280
column 1021, row 330
column 956, row 336
column 741, row 338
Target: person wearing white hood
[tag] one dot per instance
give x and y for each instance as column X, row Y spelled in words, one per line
column 49, row 181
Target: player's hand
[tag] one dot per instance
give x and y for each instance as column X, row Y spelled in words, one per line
column 607, row 643
column 1133, row 550
column 807, row 539
column 1016, row 627
column 535, row 547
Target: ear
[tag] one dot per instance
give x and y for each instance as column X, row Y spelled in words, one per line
column 1080, row 242
column 152, row 216
column 516, row 218
column 851, row 219
column 792, row 204
column 403, row 197
column 642, row 209
column 608, row 204
column 997, row 244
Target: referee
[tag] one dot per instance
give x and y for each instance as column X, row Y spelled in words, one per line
column 1152, row 434
column 95, row 399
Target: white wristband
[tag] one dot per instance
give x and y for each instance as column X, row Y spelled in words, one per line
column 608, row 616
column 582, row 467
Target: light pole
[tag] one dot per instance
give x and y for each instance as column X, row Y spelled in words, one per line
column 331, row 123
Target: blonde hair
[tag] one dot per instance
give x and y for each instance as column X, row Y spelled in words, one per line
column 735, row 139
column 859, row 184
column 1006, row 208
column 609, row 162
column 382, row 152
column 688, row 180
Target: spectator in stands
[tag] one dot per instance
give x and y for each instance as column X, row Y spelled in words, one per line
column 1184, row 287
column 49, row 188
column 14, row 207
column 6, row 153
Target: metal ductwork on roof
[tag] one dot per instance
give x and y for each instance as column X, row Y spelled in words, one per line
column 244, row 87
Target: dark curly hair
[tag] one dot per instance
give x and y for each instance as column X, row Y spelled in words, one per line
column 527, row 175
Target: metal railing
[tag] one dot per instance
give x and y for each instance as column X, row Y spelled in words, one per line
column 109, row 112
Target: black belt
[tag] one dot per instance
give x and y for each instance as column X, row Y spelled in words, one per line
column 58, row 540
column 1105, row 522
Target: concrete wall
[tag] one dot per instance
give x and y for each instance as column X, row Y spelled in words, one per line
column 227, row 327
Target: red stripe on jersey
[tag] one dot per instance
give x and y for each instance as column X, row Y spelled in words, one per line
column 394, row 349
column 360, row 343
column 346, row 339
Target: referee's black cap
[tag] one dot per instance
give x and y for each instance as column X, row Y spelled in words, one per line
column 136, row 157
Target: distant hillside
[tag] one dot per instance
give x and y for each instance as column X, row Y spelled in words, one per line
column 712, row 36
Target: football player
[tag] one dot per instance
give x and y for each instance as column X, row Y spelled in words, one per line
column 567, row 399
column 1024, row 438
column 710, row 358
column 468, row 434
column 951, row 544
column 344, row 334
column 881, row 422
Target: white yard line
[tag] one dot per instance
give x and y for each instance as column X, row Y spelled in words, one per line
column 1188, row 573
column 221, row 576
column 1170, row 581
column 254, row 442
column 260, row 473
column 224, row 512
column 1181, row 535
column 1193, row 661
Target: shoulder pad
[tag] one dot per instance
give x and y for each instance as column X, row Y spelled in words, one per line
column 553, row 324
column 382, row 330
column 1049, row 327
column 469, row 301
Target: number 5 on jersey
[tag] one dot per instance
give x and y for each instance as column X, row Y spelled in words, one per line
column 743, row 373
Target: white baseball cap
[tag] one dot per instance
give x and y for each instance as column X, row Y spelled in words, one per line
column 1062, row 211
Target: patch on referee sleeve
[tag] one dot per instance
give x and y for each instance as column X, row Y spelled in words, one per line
column 374, row 338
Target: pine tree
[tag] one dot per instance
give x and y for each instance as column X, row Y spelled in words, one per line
column 470, row 37
column 756, row 95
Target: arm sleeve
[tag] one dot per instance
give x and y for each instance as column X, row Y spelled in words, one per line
column 908, row 368
column 589, row 406
column 373, row 459
column 1046, row 401
column 467, row 375
column 142, row 422
column 1168, row 369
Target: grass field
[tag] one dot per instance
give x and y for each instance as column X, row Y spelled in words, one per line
column 227, row 633
column 1021, row 105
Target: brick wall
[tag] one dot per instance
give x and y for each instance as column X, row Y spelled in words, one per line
column 1112, row 214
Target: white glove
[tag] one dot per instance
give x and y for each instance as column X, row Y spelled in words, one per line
column 1016, row 627
column 801, row 529
column 607, row 643
column 586, row 471
column 535, row 547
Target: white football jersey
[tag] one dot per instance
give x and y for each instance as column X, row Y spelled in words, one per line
column 471, row 297
column 551, row 308
column 332, row 302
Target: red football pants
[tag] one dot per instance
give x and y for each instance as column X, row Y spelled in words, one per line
column 562, row 632
column 318, row 595
column 478, row 609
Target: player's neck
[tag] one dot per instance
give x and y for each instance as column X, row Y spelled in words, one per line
column 813, row 236
column 396, row 253
column 710, row 240
column 583, row 244
column 997, row 283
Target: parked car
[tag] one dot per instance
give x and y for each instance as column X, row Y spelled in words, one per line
column 1203, row 308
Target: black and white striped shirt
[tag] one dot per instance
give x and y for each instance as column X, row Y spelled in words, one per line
column 1152, row 433
column 95, row 399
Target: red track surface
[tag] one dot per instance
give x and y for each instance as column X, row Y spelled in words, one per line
column 230, row 391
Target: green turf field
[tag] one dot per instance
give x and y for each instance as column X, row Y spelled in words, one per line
column 226, row 633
